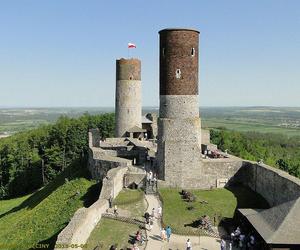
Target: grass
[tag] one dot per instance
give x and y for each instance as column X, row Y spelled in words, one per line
column 221, row 203
column 38, row 218
column 109, row 232
column 132, row 201
column 6, row 205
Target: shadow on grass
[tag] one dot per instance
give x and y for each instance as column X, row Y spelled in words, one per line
column 50, row 242
column 92, row 195
column 73, row 171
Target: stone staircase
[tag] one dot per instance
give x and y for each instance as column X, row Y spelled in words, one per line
column 150, row 187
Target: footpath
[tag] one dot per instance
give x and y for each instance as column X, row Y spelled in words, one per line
column 177, row 242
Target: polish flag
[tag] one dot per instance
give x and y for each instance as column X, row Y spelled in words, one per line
column 131, row 46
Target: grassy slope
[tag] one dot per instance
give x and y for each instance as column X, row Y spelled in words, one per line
column 221, row 202
column 6, row 205
column 40, row 217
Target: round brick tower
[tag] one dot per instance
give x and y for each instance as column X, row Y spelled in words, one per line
column 179, row 127
column 128, row 95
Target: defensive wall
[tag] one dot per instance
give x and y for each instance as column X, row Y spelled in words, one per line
column 85, row 219
column 275, row 185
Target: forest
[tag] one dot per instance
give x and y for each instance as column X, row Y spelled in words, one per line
column 29, row 160
column 276, row 150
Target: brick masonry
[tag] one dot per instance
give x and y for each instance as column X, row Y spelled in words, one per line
column 176, row 48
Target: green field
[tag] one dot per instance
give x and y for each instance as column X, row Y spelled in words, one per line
column 284, row 120
column 39, row 217
column 221, row 203
column 245, row 126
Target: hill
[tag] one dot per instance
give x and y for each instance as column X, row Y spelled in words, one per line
column 39, row 217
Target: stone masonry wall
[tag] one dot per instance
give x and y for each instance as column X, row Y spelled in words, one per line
column 85, row 219
column 275, row 185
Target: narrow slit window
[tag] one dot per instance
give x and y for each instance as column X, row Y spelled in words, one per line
column 193, row 52
column 163, row 51
column 178, row 73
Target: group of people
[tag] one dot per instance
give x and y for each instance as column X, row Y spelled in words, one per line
column 149, row 219
column 205, row 222
column 165, row 233
column 241, row 240
column 151, row 177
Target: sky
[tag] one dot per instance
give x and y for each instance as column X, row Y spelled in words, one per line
column 56, row 53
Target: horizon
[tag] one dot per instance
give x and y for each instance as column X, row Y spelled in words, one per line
column 112, row 107
column 63, row 54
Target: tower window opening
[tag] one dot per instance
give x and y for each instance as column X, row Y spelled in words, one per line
column 163, row 51
column 178, row 73
column 193, row 52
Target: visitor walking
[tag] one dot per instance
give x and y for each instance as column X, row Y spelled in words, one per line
column 163, row 234
column 159, row 212
column 153, row 212
column 115, row 210
column 223, row 244
column 188, row 245
column 150, row 175
column 168, row 232
column 110, row 200
column 150, row 224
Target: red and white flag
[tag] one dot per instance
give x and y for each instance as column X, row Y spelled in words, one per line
column 131, row 46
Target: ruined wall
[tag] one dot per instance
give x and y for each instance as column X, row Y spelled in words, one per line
column 99, row 167
column 85, row 219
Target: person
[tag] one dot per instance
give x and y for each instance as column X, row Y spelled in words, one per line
column 230, row 245
column 110, row 200
column 168, row 232
column 138, row 236
column 159, row 212
column 223, row 244
column 115, row 210
column 150, row 175
column 241, row 240
column 150, row 224
column 251, row 242
column 135, row 247
column 153, row 212
column 147, row 217
column 113, row 247
column 163, row 234
column 188, row 245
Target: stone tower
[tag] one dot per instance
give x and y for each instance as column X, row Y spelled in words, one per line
column 179, row 127
column 128, row 95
